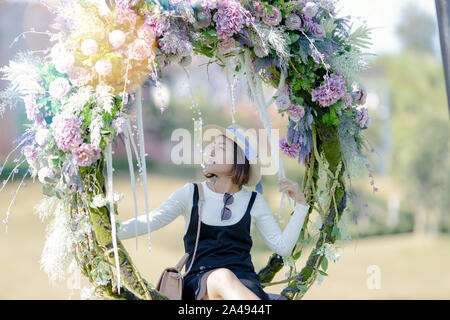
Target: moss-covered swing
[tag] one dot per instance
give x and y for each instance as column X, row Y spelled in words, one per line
column 297, row 47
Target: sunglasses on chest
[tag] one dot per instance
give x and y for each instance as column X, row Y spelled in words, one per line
column 226, row 212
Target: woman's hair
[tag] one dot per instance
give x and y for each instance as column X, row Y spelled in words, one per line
column 240, row 173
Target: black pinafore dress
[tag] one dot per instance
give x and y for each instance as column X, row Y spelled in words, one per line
column 219, row 247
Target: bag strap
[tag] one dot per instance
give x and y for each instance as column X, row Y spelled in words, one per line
column 201, row 200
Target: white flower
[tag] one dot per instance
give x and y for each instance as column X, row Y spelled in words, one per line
column 89, row 47
column 310, row 9
column 103, row 67
column 59, row 87
column 320, row 279
column 117, row 38
column 87, row 293
column 64, row 62
column 45, row 172
column 117, row 197
column 99, row 201
column 329, row 251
column 42, row 136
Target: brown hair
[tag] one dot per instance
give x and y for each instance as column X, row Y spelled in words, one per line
column 240, row 174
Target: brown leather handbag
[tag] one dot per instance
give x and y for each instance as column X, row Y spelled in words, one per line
column 171, row 281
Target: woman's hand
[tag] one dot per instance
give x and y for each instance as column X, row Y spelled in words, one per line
column 293, row 190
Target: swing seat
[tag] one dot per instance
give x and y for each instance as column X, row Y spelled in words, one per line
column 275, row 296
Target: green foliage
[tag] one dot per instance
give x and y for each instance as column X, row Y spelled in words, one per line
column 330, row 118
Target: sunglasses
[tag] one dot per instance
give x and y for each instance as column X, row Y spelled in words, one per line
column 226, row 212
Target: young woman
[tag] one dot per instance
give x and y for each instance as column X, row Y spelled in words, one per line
column 222, row 267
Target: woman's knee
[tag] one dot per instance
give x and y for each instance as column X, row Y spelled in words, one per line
column 221, row 275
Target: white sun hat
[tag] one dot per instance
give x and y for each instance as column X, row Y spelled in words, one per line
column 247, row 140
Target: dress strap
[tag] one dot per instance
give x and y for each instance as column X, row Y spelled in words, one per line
column 250, row 203
column 195, row 196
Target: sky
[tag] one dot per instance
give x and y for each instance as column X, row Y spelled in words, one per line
column 384, row 16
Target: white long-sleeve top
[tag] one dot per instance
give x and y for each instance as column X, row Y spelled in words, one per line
column 180, row 203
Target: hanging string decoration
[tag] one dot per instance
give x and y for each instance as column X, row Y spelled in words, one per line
column 79, row 93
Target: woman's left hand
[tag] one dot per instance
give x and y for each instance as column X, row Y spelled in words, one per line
column 292, row 189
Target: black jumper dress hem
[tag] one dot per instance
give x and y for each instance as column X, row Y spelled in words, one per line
column 219, row 247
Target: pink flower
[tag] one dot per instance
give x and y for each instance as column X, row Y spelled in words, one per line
column 85, row 155
column 30, row 155
column 103, row 67
column 117, row 38
column 89, row 47
column 226, row 45
column 230, row 18
column 59, row 87
column 292, row 150
column 273, row 17
column 259, row 8
column 147, row 34
column 204, row 18
column 67, row 131
column 78, row 76
column 31, row 107
column 64, row 62
column 139, row 50
column 158, row 26
column 57, row 50
column 296, row 112
column 331, row 91
column 126, row 16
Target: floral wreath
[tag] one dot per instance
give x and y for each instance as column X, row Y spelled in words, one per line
column 78, row 98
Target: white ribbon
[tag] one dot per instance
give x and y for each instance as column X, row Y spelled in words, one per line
column 143, row 162
column 109, row 173
column 258, row 98
column 132, row 177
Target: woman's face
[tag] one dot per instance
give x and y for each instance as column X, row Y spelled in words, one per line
column 220, row 156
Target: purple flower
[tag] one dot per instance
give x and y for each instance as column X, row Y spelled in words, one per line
column 331, row 91
column 67, row 132
column 283, row 102
column 273, row 17
column 311, row 9
column 294, row 22
column 30, row 155
column 158, row 26
column 85, row 155
column 119, row 124
column 362, row 118
column 230, row 18
column 31, row 107
column 296, row 112
column 292, row 150
column 317, row 29
column 359, row 97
